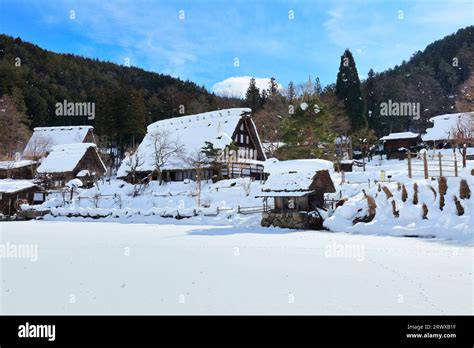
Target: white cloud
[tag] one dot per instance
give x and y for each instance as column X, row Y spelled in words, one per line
column 236, row 86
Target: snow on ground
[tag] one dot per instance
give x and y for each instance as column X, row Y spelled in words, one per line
column 112, row 268
column 220, row 202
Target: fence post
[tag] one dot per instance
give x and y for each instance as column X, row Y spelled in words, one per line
column 409, row 164
column 455, row 166
column 440, row 162
column 425, row 165
column 464, row 155
column 238, row 209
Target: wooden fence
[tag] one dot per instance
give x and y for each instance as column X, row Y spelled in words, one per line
column 439, row 165
column 73, row 198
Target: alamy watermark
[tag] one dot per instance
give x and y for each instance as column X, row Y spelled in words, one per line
column 346, row 251
column 19, row 251
column 28, row 330
column 66, row 108
column 392, row 108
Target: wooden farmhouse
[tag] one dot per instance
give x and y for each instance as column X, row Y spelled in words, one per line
column 70, row 161
column 397, row 144
column 44, row 138
column 450, row 130
column 297, row 189
column 23, row 169
column 232, row 132
column 13, row 193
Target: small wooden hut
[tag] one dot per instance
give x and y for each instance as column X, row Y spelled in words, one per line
column 298, row 194
column 23, row 169
column 13, row 193
column 397, row 144
column 66, row 162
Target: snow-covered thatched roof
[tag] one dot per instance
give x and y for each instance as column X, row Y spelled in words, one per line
column 6, row 165
column 12, row 186
column 400, row 135
column 295, row 177
column 444, row 126
column 44, row 138
column 65, row 158
column 216, row 127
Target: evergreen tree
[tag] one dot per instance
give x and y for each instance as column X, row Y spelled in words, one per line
column 14, row 126
column 372, row 106
column 252, row 97
column 308, row 133
column 348, row 89
column 273, row 88
column 136, row 118
column 291, row 92
column 317, row 87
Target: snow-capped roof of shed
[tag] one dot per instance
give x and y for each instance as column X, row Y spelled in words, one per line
column 297, row 177
column 443, row 125
column 400, row 135
column 15, row 164
column 193, row 131
column 47, row 137
column 65, row 158
column 12, row 186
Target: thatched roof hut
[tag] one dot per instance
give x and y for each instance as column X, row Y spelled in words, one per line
column 66, row 162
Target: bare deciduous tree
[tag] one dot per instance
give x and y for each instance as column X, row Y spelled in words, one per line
column 38, row 146
column 133, row 161
column 198, row 161
column 164, row 148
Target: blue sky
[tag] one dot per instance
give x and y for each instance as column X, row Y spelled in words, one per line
column 289, row 40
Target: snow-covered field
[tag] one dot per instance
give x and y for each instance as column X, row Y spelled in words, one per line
column 118, row 268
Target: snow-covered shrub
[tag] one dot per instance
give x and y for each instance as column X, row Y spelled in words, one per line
column 415, row 193
column 442, row 185
column 404, row 193
column 424, row 208
column 464, row 191
column 441, row 202
column 390, row 198
column 459, row 207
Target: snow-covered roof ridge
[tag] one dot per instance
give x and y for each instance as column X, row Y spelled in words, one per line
column 198, row 119
column 193, row 131
column 61, row 128
column 12, row 185
column 443, row 125
column 44, row 138
column 65, row 157
column 400, row 135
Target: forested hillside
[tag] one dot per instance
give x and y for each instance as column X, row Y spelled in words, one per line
column 437, row 78
column 127, row 98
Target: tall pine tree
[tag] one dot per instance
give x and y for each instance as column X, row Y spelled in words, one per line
column 291, row 94
column 371, row 101
column 252, row 97
column 348, row 90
